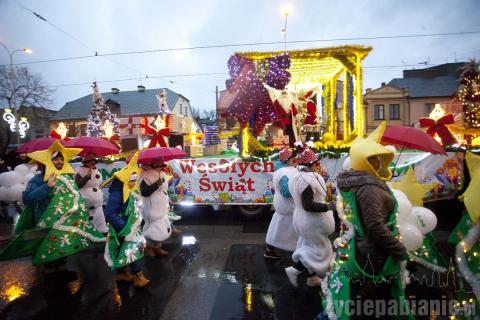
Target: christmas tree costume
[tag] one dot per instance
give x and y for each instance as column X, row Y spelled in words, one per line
column 368, row 251
column 63, row 228
column 89, row 185
column 280, row 233
column 125, row 243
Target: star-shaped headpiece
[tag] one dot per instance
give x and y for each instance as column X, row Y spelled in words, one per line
column 45, row 157
column 126, row 173
column 471, row 196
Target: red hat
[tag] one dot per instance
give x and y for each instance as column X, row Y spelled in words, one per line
column 285, row 155
column 307, row 157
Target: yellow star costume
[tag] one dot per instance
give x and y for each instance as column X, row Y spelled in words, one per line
column 471, row 197
column 413, row 190
column 45, row 158
column 364, row 148
column 125, row 174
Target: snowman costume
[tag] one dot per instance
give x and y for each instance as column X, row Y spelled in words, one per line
column 93, row 195
column 314, row 249
column 281, row 233
column 155, row 207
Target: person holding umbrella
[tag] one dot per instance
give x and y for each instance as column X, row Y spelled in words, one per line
column 88, row 180
column 153, row 188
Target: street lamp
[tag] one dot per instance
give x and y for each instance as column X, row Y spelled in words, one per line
column 12, row 80
column 286, row 9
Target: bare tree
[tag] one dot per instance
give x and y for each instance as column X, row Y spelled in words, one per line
column 196, row 113
column 210, row 114
column 30, row 91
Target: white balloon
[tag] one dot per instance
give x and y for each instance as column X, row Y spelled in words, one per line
column 23, row 169
column 404, row 209
column 412, row 238
column 16, row 192
column 347, row 165
column 3, row 193
column 27, row 177
column 426, row 219
column 33, row 168
column 391, row 148
column 10, row 178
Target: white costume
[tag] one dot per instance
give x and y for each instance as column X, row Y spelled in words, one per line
column 155, row 208
column 314, row 249
column 94, row 197
column 281, row 233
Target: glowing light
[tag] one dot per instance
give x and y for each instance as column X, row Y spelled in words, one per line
column 437, row 112
column 159, row 123
column 13, row 292
column 27, row 50
column 248, row 298
column 23, row 126
column 9, row 117
column 108, row 128
column 188, row 240
column 62, row 130
column 286, row 8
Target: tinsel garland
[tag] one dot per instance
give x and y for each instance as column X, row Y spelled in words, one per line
column 462, row 247
column 428, row 265
column 58, row 225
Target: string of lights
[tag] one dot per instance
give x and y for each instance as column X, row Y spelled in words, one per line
column 97, row 54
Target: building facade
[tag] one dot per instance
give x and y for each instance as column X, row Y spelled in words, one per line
column 403, row 101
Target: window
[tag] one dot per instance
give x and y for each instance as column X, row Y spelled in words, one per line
column 429, row 107
column 181, row 109
column 379, row 112
column 394, row 112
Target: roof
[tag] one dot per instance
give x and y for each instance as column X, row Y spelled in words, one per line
column 131, row 103
column 443, row 86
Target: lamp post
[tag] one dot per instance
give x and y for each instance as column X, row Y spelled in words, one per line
column 12, row 80
column 285, row 10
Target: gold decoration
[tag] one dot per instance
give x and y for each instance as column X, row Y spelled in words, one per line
column 44, row 157
column 125, row 174
column 414, row 191
column 62, row 130
column 108, row 129
column 471, row 196
column 437, row 112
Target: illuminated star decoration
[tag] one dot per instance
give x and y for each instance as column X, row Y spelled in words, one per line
column 125, row 174
column 413, row 190
column 470, row 196
column 44, row 157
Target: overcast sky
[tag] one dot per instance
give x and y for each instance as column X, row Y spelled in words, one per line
column 108, row 26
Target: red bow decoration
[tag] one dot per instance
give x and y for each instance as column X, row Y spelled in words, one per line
column 130, row 126
column 157, row 136
column 54, row 134
column 439, row 127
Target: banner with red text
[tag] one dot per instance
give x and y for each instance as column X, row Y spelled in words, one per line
column 221, row 181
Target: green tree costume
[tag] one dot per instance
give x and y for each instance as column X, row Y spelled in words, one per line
column 63, row 229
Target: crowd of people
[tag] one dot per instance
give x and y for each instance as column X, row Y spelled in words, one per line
column 133, row 222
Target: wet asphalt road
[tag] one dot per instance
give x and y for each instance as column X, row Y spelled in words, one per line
column 215, row 270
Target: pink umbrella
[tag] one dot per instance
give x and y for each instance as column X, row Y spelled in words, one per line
column 98, row 146
column 36, row 145
column 411, row 138
column 160, row 153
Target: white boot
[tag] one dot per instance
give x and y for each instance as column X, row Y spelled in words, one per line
column 292, row 275
column 314, row 281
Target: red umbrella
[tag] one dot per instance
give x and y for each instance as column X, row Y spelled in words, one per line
column 36, row 145
column 411, row 138
column 98, row 146
column 161, row 153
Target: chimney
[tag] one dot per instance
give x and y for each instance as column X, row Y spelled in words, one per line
column 115, row 90
column 368, row 89
column 383, row 84
column 141, row 88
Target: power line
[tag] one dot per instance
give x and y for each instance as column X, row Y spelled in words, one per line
column 251, row 44
column 73, row 37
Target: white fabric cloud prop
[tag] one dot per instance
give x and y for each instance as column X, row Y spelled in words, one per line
column 426, row 220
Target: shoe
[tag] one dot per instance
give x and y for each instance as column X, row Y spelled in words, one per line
column 271, row 254
column 149, row 251
column 314, row 281
column 173, row 216
column 292, row 275
column 158, row 251
column 124, row 276
column 176, row 232
column 139, row 280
